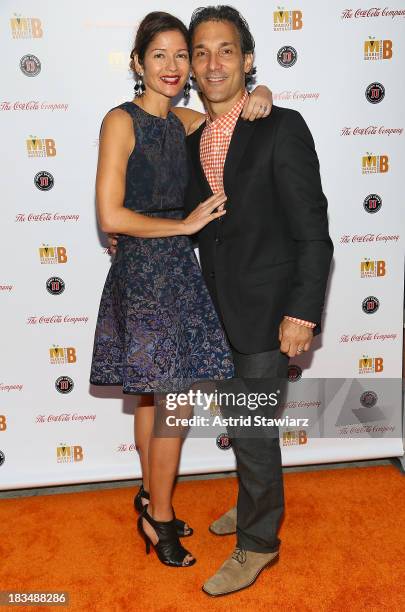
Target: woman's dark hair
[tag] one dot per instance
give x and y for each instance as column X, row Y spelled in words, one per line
column 154, row 23
column 224, row 12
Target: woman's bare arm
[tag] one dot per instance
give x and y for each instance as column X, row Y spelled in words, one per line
column 257, row 106
column 117, row 141
column 190, row 118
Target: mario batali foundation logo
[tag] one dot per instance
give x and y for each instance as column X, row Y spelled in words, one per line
column 377, row 49
column 62, row 355
column 284, row 21
column 374, row 164
column 25, row 27
column 52, row 255
column 372, row 268
column 69, row 454
column 295, row 437
column 40, row 147
column 371, row 365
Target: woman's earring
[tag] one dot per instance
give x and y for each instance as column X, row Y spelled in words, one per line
column 139, row 87
column 187, row 89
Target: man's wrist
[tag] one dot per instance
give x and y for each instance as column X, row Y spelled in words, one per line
column 302, row 322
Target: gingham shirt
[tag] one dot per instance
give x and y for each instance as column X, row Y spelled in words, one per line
column 214, row 146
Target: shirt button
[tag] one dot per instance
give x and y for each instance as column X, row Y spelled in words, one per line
column 218, row 240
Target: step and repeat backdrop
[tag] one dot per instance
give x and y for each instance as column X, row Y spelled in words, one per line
column 64, row 66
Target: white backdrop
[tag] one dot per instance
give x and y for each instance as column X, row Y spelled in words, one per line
column 64, row 66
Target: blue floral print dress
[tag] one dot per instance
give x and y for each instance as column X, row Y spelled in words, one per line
column 157, row 328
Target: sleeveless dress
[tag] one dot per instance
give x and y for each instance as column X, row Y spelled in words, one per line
column 157, row 329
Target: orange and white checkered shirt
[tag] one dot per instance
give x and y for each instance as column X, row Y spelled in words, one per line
column 214, row 146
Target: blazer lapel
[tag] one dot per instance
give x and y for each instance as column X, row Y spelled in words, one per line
column 240, row 139
column 195, row 158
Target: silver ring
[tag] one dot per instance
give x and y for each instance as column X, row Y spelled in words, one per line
column 300, row 350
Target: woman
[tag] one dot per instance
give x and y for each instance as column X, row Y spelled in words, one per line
column 157, row 327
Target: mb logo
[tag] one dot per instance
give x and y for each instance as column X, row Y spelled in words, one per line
column 117, row 61
column 372, row 269
column 293, row 438
column 52, row 255
column 374, row 164
column 287, row 20
column 377, row 49
column 26, row 27
column 371, row 365
column 40, row 147
column 59, row 355
column 3, row 422
column 69, row 454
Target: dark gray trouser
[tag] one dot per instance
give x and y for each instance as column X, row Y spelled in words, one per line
column 261, row 494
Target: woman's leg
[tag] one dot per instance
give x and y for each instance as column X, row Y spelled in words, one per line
column 143, row 427
column 164, row 457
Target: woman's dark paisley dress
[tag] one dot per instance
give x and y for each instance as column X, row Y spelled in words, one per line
column 157, row 328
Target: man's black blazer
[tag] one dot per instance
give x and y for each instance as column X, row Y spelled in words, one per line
column 269, row 256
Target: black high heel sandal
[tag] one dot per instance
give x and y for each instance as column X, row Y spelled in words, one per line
column 182, row 532
column 168, row 547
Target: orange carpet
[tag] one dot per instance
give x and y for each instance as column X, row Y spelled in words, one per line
column 343, row 543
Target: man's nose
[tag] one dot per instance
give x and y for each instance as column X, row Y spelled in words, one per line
column 213, row 62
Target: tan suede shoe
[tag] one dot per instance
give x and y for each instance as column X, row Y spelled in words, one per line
column 238, row 572
column 226, row 524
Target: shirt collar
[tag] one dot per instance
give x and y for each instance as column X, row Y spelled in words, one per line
column 226, row 123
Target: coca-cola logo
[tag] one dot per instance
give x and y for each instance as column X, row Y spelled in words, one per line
column 368, row 336
column 359, row 13
column 125, row 447
column 360, row 238
column 370, row 304
column 372, row 203
column 296, row 95
column 30, row 65
column 46, row 216
column 64, row 384
column 66, row 417
column 56, row 319
column 371, row 130
column 10, row 387
column 32, row 105
column 223, row 441
column 294, row 373
column 44, row 180
column 55, row 285
column 375, row 93
column 287, row 56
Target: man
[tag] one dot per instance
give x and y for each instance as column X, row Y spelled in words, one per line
column 266, row 262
